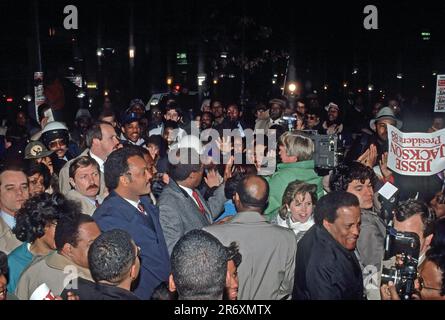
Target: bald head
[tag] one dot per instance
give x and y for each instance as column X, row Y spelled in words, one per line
column 251, row 194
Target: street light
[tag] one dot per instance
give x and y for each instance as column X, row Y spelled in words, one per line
column 131, row 52
column 292, row 87
column 99, row 52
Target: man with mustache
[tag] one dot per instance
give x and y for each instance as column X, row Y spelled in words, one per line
column 326, row 266
column 85, row 179
column 13, row 193
column 101, row 140
column 55, row 137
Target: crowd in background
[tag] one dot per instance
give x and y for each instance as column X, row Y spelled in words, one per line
column 103, row 197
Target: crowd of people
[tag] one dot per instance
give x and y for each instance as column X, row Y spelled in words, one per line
column 159, row 202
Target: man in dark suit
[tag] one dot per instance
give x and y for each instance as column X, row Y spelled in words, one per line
column 128, row 176
column 326, row 266
column 182, row 208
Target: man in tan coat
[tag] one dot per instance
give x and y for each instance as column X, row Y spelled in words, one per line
column 268, row 251
column 13, row 193
column 73, row 236
column 85, row 175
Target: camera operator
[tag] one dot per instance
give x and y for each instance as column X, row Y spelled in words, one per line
column 411, row 216
column 430, row 283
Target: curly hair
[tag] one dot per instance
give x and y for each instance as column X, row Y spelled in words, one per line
column 344, row 175
column 37, row 212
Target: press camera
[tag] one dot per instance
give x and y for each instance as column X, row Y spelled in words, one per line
column 405, row 247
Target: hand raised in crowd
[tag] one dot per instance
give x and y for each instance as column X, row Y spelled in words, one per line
column 228, row 169
column 213, row 178
column 369, row 157
column 224, row 145
column 165, row 178
column 383, row 164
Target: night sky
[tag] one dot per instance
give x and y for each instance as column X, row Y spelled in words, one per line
column 327, row 40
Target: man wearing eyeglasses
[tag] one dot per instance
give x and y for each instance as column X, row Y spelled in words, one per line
column 313, row 120
column 128, row 177
column 429, row 284
column 55, row 137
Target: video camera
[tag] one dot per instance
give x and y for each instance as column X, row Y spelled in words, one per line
column 329, row 148
column 405, row 246
column 329, row 151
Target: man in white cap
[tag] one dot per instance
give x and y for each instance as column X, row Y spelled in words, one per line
column 55, row 137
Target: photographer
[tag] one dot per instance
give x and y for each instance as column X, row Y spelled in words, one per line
column 430, row 284
column 412, row 216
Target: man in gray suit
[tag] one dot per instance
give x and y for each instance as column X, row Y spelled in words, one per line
column 182, row 208
column 268, row 251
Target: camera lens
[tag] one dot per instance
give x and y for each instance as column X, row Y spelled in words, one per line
column 390, row 275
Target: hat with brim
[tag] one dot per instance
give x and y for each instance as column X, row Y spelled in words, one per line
column 385, row 113
column 36, row 150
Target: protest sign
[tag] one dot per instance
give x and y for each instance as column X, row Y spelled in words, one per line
column 439, row 105
column 414, row 153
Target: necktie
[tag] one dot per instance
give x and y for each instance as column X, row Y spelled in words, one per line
column 96, row 203
column 196, row 196
column 141, row 208
column 145, row 213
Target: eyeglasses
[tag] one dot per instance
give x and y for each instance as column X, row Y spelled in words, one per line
column 138, row 251
column 422, row 284
column 57, row 143
column 311, row 117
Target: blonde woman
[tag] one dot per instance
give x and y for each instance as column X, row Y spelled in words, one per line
column 297, row 207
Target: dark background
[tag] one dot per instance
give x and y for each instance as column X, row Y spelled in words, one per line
column 325, row 41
